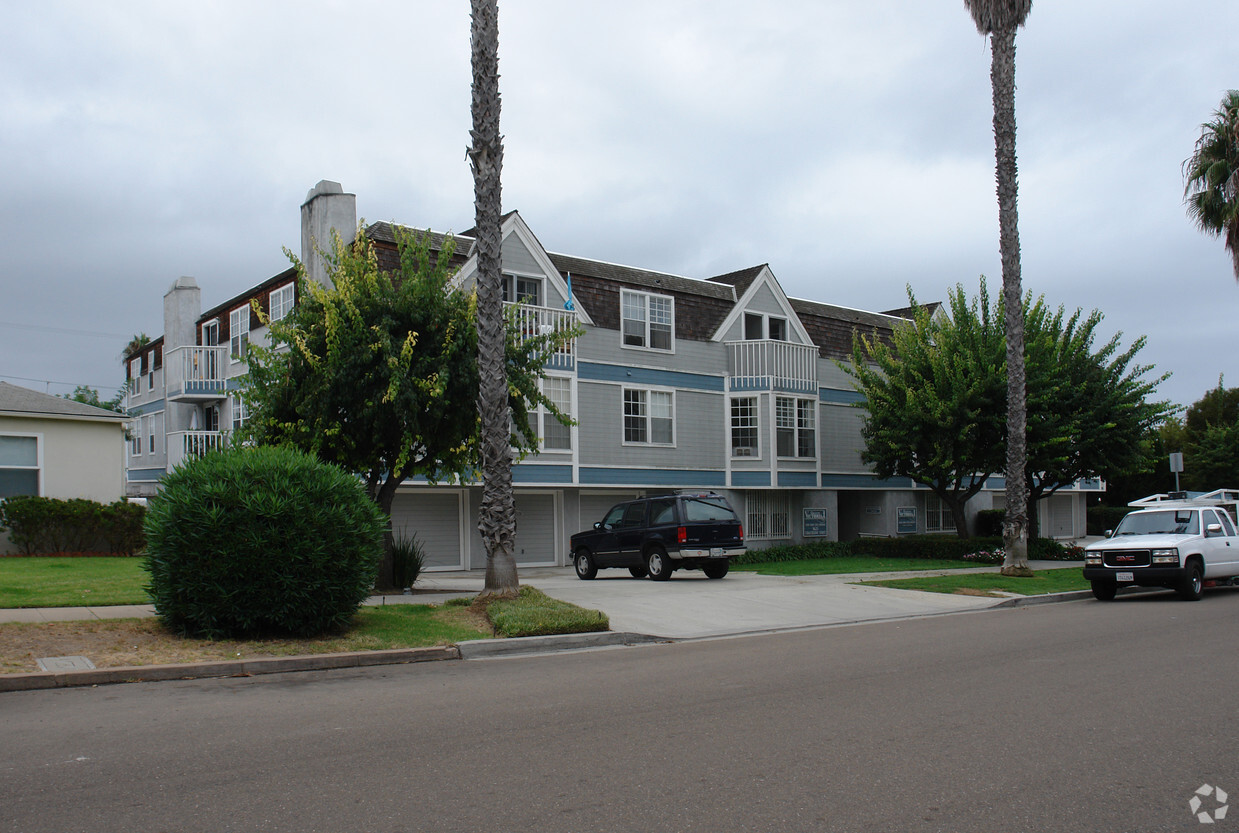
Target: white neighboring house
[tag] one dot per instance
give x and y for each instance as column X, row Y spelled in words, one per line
column 59, row 448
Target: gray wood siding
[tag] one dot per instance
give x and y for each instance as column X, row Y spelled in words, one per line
column 602, row 345
column 841, row 441
column 699, row 434
column 516, row 258
column 435, row 518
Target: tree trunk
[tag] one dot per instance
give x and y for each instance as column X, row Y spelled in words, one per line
column 384, row 497
column 958, row 515
column 497, row 520
column 1015, row 523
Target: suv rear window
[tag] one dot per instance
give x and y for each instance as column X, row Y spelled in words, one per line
column 704, row 509
column 662, row 512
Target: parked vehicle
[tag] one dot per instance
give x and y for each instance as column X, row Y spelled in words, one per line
column 660, row 534
column 1179, row 543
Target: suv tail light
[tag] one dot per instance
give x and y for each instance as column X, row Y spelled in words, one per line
column 741, row 532
column 681, row 535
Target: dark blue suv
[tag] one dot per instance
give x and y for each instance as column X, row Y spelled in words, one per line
column 660, row 534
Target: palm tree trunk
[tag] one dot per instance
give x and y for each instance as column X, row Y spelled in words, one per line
column 497, row 519
column 1015, row 523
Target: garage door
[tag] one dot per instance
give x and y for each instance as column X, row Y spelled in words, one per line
column 1062, row 520
column 535, row 529
column 435, row 518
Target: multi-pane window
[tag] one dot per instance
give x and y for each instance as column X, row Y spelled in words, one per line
column 135, row 436
column 282, row 301
column 150, row 435
column 647, row 320
column 758, row 326
column 649, row 417
column 19, row 466
column 767, row 515
column 937, row 515
column 239, row 332
column 556, row 435
column 744, row 426
column 522, row 290
column 240, row 413
column 795, row 424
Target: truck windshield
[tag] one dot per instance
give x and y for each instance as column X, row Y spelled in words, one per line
column 1172, row 522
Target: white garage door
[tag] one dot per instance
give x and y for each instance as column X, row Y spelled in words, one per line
column 535, row 529
column 1062, row 520
column 435, row 518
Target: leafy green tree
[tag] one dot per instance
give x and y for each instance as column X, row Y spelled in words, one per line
column 89, row 396
column 1210, row 441
column 933, row 399
column 497, row 520
column 1212, row 174
column 378, row 373
column 999, row 19
column 1088, row 407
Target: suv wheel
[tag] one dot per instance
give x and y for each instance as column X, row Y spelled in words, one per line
column 585, row 566
column 1104, row 591
column 1193, row 583
column 657, row 564
column 715, row 569
column 638, row 572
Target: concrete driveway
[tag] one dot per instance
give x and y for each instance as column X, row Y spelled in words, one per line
column 693, row 606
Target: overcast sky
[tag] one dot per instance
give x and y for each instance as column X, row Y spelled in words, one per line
column 848, row 144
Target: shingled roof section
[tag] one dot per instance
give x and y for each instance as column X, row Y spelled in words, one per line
column 18, row 401
column 700, row 306
column 741, row 279
column 831, row 327
column 384, row 237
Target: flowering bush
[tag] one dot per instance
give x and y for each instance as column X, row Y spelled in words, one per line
column 984, row 556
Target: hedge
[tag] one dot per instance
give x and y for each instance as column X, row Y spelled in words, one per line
column 1101, row 518
column 42, row 525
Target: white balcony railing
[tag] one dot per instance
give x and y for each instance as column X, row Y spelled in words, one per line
column 197, row 372
column 182, row 445
column 772, row 365
column 533, row 321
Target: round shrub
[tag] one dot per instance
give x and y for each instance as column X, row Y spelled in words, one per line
column 255, row 541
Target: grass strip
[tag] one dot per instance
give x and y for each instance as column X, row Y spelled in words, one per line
column 838, row 565
column 533, row 613
column 1059, row 580
column 71, row 582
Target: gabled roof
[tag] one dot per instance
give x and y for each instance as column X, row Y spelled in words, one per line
column 23, row 402
column 741, row 279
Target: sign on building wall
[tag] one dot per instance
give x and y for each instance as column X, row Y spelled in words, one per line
column 905, row 520
column 814, row 523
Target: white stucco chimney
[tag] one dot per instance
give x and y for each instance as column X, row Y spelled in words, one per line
column 182, row 304
column 326, row 207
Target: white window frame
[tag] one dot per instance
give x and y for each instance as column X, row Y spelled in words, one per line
column 37, row 468
column 210, row 333
column 644, row 303
column 239, row 412
column 646, row 397
column 280, row 301
column 937, row 515
column 799, row 416
column 150, row 434
column 238, row 335
column 754, row 416
column 549, row 424
column 512, row 289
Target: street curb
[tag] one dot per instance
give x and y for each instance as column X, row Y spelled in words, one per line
column 1069, row 596
column 227, row 668
column 487, row 648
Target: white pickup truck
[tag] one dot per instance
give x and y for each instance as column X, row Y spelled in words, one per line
column 1177, row 544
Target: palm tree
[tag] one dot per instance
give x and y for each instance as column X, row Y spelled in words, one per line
column 1212, row 175
column 497, row 519
column 999, row 19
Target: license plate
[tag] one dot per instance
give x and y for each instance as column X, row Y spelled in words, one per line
column 715, row 552
column 1124, row 577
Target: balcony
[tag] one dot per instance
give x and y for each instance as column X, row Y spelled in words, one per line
column 196, row 374
column 183, row 445
column 772, row 365
column 534, row 321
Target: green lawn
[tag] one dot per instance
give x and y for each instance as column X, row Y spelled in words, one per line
column 1059, row 580
column 852, row 564
column 71, row 582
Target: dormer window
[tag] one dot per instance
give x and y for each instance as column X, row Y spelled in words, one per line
column 282, row 301
column 758, row 326
column 647, row 320
column 522, row 290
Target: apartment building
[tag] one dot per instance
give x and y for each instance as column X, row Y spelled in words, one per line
column 721, row 383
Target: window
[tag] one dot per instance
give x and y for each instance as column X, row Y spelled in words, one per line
column 282, row 301
column 662, row 512
column 19, row 465
column 744, row 427
column 522, row 290
column 150, row 435
column 239, row 332
column 135, row 437
column 647, row 320
column 768, row 515
column 210, row 333
column 758, row 326
column 794, row 427
column 937, row 515
column 240, row 413
column 649, row 417
column 556, row 435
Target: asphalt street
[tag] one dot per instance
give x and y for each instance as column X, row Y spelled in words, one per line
column 1076, row 716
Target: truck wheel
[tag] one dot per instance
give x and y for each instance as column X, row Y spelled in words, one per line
column 1104, row 591
column 638, row 572
column 1193, row 584
column 715, row 569
column 657, row 564
column 586, row 569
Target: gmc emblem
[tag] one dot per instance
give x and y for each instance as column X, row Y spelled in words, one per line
column 1124, row 558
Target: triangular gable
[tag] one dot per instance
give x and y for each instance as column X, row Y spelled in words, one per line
column 764, row 280
column 513, row 226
